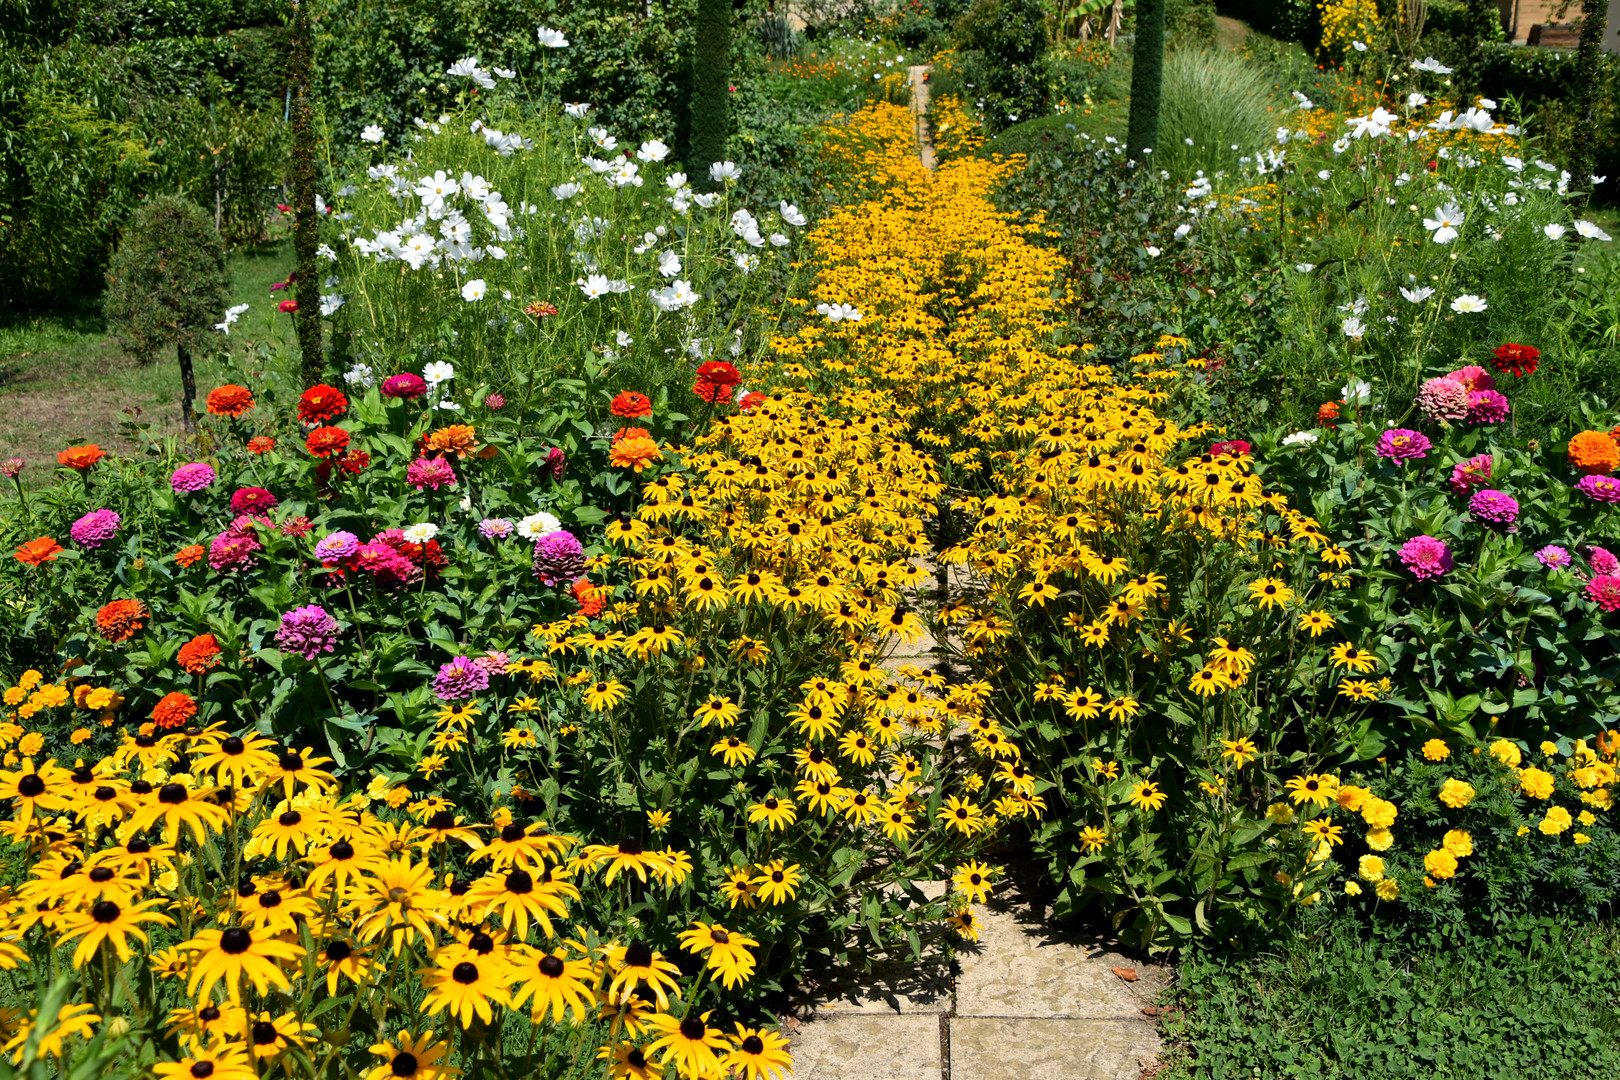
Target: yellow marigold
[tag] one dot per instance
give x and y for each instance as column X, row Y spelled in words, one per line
column 1507, row 753
column 50, row 696
column 1456, row 793
column 1380, row 839
column 1436, row 750
column 31, row 744
column 1351, row 797
column 1536, row 783
column 30, row 679
column 1557, row 820
column 1370, row 868
column 15, row 695
column 1387, row 889
column 1595, row 453
column 1582, row 838
column 1459, row 842
column 1378, row 813
column 1440, row 864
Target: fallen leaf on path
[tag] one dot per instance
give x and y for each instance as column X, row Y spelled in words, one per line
column 1128, row 974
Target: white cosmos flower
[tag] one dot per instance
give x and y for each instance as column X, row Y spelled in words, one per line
column 551, row 39
column 1444, row 223
column 593, row 286
column 1413, row 100
column 1300, row 438
column 601, row 138
column 624, row 339
column 577, row 109
column 473, row 290
column 1324, row 174
column 596, row 165
column 1304, row 268
column 468, row 68
column 433, row 190
column 839, row 312
column 1430, row 64
column 1417, row 296
column 421, row 532
column 564, row 192
column 360, row 375
column 745, row 262
column 669, row 263
column 675, row 180
column 537, row 525
column 1301, row 102
column 330, row 302
column 1468, row 304
column 1359, row 46
column 721, row 171
column 1182, row 230
column 778, row 240
column 674, row 296
column 495, row 252
column 1590, row 231
column 371, row 133
column 231, row 315
column 474, row 187
column 1356, row 392
column 1353, row 327
column 505, row 73
column 1153, row 252
column 1554, row 231
column 652, row 150
column 791, row 215
column 382, row 172
column 706, row 200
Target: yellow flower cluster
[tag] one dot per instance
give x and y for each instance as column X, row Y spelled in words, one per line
column 328, row 899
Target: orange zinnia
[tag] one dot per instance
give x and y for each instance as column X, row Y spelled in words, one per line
column 38, row 551
column 261, row 444
column 457, row 439
column 230, row 400
column 634, row 453
column 119, row 620
column 199, row 654
column 174, row 710
column 1594, row 453
column 188, row 555
column 80, row 457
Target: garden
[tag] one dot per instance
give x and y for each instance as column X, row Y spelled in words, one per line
column 554, row 539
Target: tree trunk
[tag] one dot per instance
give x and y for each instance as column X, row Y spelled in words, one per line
column 1594, row 17
column 1147, row 75
column 188, row 388
column 710, row 90
column 306, row 223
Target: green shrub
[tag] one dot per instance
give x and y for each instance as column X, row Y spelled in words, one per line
column 1009, row 78
column 1220, row 101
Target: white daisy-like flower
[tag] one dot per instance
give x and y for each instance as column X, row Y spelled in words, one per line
column 577, row 109
column 473, row 291
column 537, row 525
column 721, row 171
column 421, row 532
column 1300, row 438
column 1590, row 231
column 551, row 39
column 1356, row 392
column 1445, row 223
column 1468, row 304
column 438, row 373
column 371, row 133
column 1554, row 231
column 653, row 150
column 1304, row 268
column 1418, row 295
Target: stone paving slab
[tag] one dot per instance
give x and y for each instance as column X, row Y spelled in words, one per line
column 1050, row 1049
column 1020, row 968
column 888, row 990
column 868, row 1048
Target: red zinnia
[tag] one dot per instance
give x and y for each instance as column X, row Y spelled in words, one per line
column 322, row 404
column 174, row 710
column 715, row 380
column 230, row 400
column 287, row 307
column 119, row 620
column 261, row 444
column 632, row 405
column 253, row 500
column 327, row 442
column 1519, row 359
column 751, row 401
column 199, row 654
column 354, row 461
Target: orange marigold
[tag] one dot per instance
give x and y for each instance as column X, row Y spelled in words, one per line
column 199, row 654
column 119, row 620
column 230, row 400
column 174, row 710
column 80, row 457
column 39, row 551
column 634, row 453
column 188, row 555
column 457, row 439
column 1594, row 453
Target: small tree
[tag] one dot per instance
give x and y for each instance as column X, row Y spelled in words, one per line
column 711, row 91
column 166, row 284
column 1147, row 78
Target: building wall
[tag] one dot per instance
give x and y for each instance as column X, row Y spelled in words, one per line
column 1518, row 16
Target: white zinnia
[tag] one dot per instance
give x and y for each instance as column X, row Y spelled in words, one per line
column 1300, row 438
column 1468, row 304
column 537, row 525
column 421, row 532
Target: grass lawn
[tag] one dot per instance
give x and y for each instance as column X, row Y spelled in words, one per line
column 64, row 380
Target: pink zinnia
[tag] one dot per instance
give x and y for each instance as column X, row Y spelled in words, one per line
column 1602, row 561
column 1474, row 377
column 253, row 500
column 232, row 551
column 389, row 569
column 1487, row 407
column 1443, row 399
column 1426, row 557
column 95, row 528
column 430, row 473
column 188, row 479
column 1603, row 489
column 1235, row 447
column 1604, row 591
column 1403, row 444
column 1470, row 474
column 461, row 678
column 1494, row 507
column 307, row 631
column 404, row 386
column 1553, row 557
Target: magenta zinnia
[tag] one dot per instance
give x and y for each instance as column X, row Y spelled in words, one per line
column 307, row 631
column 1426, row 557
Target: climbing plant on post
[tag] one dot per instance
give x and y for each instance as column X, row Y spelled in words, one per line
column 306, row 224
column 167, row 285
column 1147, row 76
column 1594, row 18
column 710, row 89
